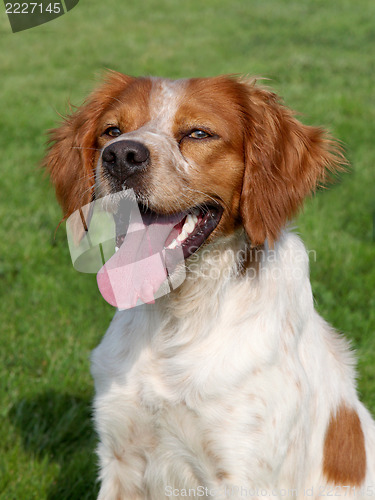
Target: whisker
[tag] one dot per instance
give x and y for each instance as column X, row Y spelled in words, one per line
column 87, row 191
column 87, row 177
column 207, row 195
column 81, row 147
column 178, row 201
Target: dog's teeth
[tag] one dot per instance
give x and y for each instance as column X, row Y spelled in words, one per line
column 117, row 249
column 194, row 219
column 172, row 245
column 190, row 223
column 188, row 227
column 182, row 236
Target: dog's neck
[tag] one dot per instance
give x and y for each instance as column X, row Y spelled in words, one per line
column 272, row 278
column 213, row 266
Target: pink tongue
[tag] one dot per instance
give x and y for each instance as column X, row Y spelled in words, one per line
column 138, row 268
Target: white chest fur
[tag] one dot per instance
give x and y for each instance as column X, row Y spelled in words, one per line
column 217, row 387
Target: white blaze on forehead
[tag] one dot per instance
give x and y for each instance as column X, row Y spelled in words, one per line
column 157, row 134
column 165, row 99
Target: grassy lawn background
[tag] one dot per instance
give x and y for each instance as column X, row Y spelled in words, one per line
column 318, row 55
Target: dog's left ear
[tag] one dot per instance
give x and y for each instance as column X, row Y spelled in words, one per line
column 284, row 162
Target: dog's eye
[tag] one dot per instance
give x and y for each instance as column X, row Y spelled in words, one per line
column 112, row 132
column 199, row 134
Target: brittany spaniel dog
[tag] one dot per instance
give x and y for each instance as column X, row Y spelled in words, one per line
column 231, row 385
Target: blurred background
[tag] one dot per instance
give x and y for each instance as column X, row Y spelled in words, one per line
column 318, row 55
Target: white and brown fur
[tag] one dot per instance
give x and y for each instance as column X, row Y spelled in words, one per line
column 232, row 382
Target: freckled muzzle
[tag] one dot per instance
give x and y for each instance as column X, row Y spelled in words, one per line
column 138, row 254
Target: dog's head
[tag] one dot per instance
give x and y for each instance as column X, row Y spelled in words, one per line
column 220, row 149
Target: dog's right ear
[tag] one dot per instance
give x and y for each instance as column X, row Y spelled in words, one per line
column 72, row 153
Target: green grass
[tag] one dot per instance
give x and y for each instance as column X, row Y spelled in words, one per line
column 318, row 55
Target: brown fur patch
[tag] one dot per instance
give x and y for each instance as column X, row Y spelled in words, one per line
column 344, row 449
column 222, row 475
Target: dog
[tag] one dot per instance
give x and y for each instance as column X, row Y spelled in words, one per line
column 231, row 385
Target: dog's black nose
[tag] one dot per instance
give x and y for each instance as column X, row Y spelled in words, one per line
column 122, row 159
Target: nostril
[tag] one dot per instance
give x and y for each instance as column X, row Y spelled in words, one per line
column 109, row 156
column 130, row 157
column 138, row 154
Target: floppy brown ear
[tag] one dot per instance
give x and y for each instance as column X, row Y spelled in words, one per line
column 70, row 159
column 284, row 162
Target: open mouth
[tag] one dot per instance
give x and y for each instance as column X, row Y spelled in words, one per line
column 189, row 229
